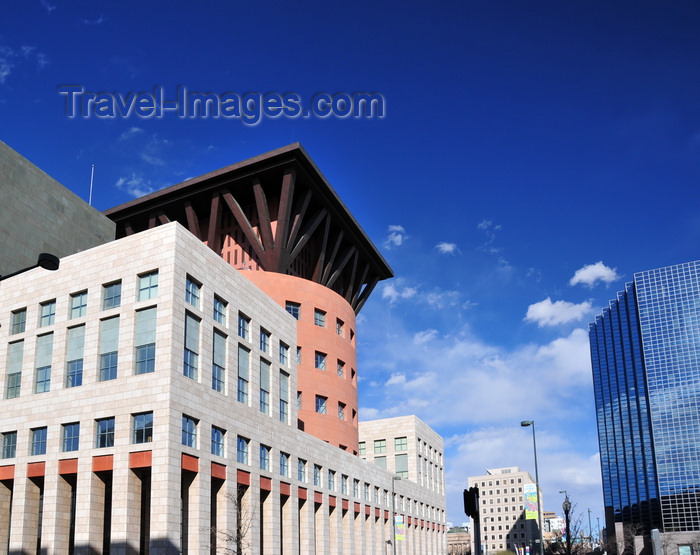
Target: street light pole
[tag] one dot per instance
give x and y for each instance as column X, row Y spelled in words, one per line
column 566, row 505
column 394, row 478
column 525, row 424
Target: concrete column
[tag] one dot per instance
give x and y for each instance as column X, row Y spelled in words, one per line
column 198, row 511
column 335, row 530
column 272, row 525
column 290, row 522
column 321, row 529
column 307, row 541
column 165, row 502
column 90, row 513
column 26, row 503
column 55, row 528
column 348, row 528
column 5, row 511
column 126, row 507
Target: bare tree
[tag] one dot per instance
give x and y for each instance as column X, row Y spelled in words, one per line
column 235, row 541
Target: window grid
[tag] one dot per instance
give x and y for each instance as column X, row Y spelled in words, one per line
column 78, row 304
column 105, row 433
column 19, row 321
column 148, row 286
column 9, row 445
column 217, row 441
column 47, row 313
column 293, row 308
column 142, row 428
column 220, row 311
column 38, row 441
column 192, row 292
column 111, row 295
column 71, row 437
column 189, row 431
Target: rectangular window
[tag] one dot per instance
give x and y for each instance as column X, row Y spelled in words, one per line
column 362, row 448
column 189, row 431
column 401, row 465
column 148, row 286
column 284, row 354
column 74, row 356
column 264, row 341
column 321, row 404
column 344, row 484
column 380, row 461
column 284, row 464
column 78, row 304
column 331, row 480
column 44, row 350
column 19, row 321
column 317, row 476
column 242, row 450
column 111, row 295
column 142, row 429
column 217, row 441
column 301, row 470
column 9, row 445
column 71, row 437
column 243, row 374
column 218, row 373
column 298, row 355
column 243, row 326
column 341, row 368
column 380, row 445
column 356, row 488
column 47, row 313
column 264, row 457
column 264, row 386
column 339, row 327
column 220, row 311
column 109, row 343
column 341, row 411
column 320, row 360
column 400, row 444
column 15, row 355
column 192, row 290
column 293, row 308
column 319, row 318
column 38, row 441
column 191, row 355
column 145, row 341
column 104, row 433
column 284, row 397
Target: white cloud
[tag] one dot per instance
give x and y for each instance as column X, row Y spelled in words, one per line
column 548, row 313
column 6, row 65
column 134, row 185
column 396, row 237
column 489, row 229
column 592, row 273
column 49, row 8
column 393, row 291
column 425, row 336
column 130, row 133
column 447, row 248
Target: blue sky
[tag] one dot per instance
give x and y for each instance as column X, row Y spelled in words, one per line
column 532, row 157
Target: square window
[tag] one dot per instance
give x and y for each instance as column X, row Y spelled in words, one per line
column 145, row 360
column 142, row 430
column 71, row 437
column 321, row 404
column 400, row 444
column 189, row 431
column 19, row 321
column 78, row 304
column 320, row 360
column 148, row 286
column 220, row 311
column 319, row 318
column 43, row 379
column 192, row 291
column 39, row 441
column 9, row 445
column 380, row 445
column 293, row 308
column 108, row 366
column 47, row 313
column 105, row 432
column 217, row 441
column 111, row 295
column 242, row 450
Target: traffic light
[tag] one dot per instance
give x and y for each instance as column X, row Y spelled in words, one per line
column 471, row 502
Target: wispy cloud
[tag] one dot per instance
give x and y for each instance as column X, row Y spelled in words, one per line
column 6, row 62
column 48, row 7
column 548, row 313
column 447, row 248
column 135, row 185
column 396, row 236
column 99, row 21
column 130, row 133
column 590, row 274
column 11, row 57
column 489, row 229
column 395, row 291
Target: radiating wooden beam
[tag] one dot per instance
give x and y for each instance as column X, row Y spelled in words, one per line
column 299, row 214
column 351, row 278
column 357, row 287
column 192, row 220
column 366, row 291
column 318, row 268
column 285, row 209
column 265, row 224
column 331, row 260
column 245, row 226
column 308, row 231
column 214, row 219
column 151, row 220
column 343, row 262
column 162, row 217
column 128, row 230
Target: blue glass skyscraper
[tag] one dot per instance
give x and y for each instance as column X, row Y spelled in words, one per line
column 645, row 354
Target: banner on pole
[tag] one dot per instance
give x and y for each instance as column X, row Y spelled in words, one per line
column 399, row 527
column 530, row 498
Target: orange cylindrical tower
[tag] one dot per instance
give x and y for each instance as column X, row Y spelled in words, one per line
column 327, row 362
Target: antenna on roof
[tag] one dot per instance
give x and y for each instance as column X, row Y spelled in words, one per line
column 92, row 175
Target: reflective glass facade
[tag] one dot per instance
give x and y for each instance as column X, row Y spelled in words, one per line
column 645, row 353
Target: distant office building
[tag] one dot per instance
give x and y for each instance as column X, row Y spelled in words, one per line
column 645, row 352
column 406, row 446
column 459, row 541
column 191, row 386
column 502, row 510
